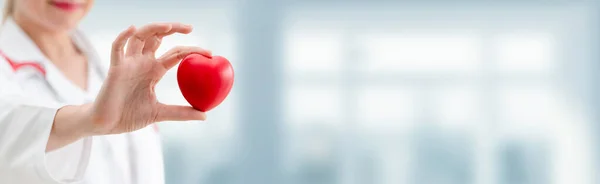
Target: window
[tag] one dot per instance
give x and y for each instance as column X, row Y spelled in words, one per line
column 385, row 108
column 529, row 107
column 414, row 52
column 526, row 53
column 310, row 103
column 313, row 51
column 458, row 106
column 447, row 81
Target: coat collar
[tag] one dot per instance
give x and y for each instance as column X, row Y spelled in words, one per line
column 16, row 45
column 18, row 48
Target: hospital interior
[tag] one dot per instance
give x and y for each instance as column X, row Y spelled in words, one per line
column 383, row 91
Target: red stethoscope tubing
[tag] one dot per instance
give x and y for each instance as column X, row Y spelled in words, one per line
column 16, row 66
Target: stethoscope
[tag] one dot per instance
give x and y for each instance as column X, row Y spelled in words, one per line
column 39, row 68
column 16, row 66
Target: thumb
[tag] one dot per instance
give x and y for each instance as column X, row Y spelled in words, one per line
column 178, row 113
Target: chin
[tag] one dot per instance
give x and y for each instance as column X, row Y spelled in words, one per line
column 62, row 25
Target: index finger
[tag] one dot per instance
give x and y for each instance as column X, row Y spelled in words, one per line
column 137, row 41
column 154, row 29
column 153, row 42
column 118, row 44
column 177, row 28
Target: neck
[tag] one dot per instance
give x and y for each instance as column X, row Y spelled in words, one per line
column 56, row 45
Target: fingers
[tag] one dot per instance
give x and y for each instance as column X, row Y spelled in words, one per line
column 153, row 42
column 137, row 41
column 118, row 45
column 151, row 45
column 178, row 28
column 179, row 113
column 175, row 55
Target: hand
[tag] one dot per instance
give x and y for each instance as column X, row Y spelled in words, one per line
column 127, row 101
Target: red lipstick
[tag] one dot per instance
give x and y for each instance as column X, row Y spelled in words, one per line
column 66, row 6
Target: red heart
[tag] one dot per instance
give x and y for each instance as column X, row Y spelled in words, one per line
column 205, row 82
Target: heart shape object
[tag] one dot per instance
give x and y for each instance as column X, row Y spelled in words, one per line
column 205, row 81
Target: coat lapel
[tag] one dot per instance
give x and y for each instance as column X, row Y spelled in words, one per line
column 17, row 45
column 97, row 69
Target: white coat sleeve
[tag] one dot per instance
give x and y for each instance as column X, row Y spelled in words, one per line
column 25, row 127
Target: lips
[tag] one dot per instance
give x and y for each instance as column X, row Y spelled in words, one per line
column 66, row 6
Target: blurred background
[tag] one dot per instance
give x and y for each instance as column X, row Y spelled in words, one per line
column 383, row 92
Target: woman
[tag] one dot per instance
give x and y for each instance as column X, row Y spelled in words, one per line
column 62, row 118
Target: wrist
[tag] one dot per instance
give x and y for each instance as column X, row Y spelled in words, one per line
column 71, row 123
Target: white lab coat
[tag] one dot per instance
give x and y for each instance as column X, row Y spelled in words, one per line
column 29, row 100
